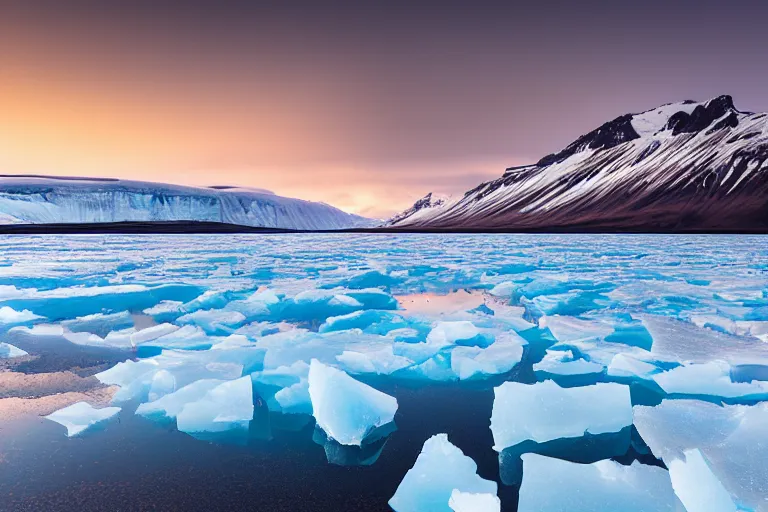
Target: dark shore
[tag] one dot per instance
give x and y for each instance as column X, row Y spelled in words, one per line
column 192, row 227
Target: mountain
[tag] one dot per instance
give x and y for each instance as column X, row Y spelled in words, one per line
column 53, row 200
column 419, row 208
column 680, row 167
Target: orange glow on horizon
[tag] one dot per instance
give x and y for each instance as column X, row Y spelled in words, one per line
column 47, row 128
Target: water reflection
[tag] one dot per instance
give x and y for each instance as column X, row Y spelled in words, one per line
column 364, row 455
column 624, row 446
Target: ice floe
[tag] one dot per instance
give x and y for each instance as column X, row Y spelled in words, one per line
column 81, row 416
column 544, row 411
column 552, row 485
column 440, row 469
column 696, row 438
column 9, row 316
column 8, row 351
column 346, row 409
column 474, row 502
column 280, row 329
column 227, row 406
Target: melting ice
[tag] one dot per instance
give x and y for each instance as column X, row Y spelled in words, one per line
column 628, row 368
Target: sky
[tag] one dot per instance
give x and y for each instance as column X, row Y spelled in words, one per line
column 364, row 105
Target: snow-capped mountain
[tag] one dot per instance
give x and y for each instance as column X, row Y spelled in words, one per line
column 52, row 200
column 429, row 202
column 683, row 166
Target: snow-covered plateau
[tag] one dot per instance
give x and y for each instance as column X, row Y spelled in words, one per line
column 57, row 200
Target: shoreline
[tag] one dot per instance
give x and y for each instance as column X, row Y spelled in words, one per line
column 193, row 227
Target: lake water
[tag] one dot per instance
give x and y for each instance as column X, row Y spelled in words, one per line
column 436, row 321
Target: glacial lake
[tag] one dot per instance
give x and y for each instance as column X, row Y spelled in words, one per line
column 435, row 321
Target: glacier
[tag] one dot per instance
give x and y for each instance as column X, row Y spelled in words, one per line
column 54, row 200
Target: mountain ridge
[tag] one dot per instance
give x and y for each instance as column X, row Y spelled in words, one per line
column 680, row 166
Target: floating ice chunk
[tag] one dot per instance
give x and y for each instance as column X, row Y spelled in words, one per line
column 317, row 295
column 416, row 352
column 77, row 301
column 370, row 279
column 364, row 319
column 474, row 502
column 685, row 342
column 564, row 363
column 568, row 329
column 603, row 352
column 373, row 298
column 213, row 320
column 125, row 338
column 505, row 289
column 99, row 323
column 570, row 304
column 344, row 300
column 730, row 438
column 346, row 409
column 189, row 337
column 554, row 284
column 282, row 376
column 756, row 329
column 135, row 378
column 709, row 379
column 7, row 351
column 440, row 469
column 318, row 304
column 285, row 388
column 40, row 330
column 165, row 307
column 524, row 412
column 223, row 343
column 171, row 404
column 228, row 406
column 697, row 487
column 383, row 361
column 209, row 299
column 256, row 330
column 625, row 366
column 500, row 357
column 437, row 368
column 163, row 382
column 152, row 333
column 9, row 316
column 461, row 332
column 406, row 335
column 123, row 374
column 80, row 416
column 295, row 398
column 258, row 304
column 553, row 485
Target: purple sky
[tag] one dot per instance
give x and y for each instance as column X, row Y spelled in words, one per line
column 364, row 106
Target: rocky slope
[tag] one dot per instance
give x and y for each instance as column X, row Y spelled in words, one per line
column 680, row 167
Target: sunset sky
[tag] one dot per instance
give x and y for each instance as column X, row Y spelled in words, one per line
column 364, row 107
